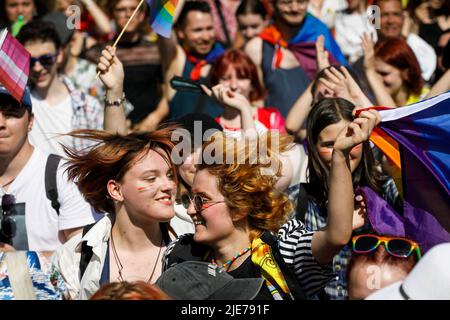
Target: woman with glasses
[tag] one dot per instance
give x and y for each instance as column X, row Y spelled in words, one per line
column 131, row 179
column 378, row 261
column 242, row 222
column 326, row 119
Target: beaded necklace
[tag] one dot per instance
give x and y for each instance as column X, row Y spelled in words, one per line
column 230, row 262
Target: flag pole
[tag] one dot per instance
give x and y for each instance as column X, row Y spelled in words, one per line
column 125, row 28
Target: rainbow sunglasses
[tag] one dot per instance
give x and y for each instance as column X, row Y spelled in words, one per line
column 395, row 246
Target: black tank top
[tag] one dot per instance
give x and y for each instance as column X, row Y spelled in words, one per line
column 183, row 103
column 284, row 86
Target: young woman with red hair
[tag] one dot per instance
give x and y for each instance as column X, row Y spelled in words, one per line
column 131, row 179
column 238, row 89
column 393, row 72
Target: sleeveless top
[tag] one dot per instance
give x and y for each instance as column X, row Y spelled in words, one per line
column 183, row 103
column 284, row 86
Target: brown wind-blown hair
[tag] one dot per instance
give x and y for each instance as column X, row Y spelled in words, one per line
column 110, row 158
column 138, row 290
column 247, row 191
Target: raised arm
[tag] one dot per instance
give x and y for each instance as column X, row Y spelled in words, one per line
column 328, row 242
column 101, row 19
column 381, row 94
column 228, row 98
column 295, row 121
column 112, row 76
column 254, row 50
column 441, row 86
column 344, row 86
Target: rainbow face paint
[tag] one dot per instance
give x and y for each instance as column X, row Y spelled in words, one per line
column 356, row 150
column 143, row 189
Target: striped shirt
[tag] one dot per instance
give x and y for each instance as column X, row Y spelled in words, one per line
column 294, row 243
column 316, row 219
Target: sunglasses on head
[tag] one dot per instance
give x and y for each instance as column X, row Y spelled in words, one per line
column 395, row 246
column 46, row 60
column 199, row 203
column 8, row 224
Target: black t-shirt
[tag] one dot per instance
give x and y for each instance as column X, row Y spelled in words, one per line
column 143, row 74
column 248, row 270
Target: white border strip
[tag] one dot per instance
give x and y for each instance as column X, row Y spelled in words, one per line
column 397, row 113
column 3, row 36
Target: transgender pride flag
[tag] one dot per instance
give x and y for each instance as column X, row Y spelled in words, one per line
column 422, row 131
column 14, row 65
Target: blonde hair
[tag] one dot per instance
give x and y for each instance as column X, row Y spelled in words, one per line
column 247, row 172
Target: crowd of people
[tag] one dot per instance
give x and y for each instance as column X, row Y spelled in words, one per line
column 115, row 184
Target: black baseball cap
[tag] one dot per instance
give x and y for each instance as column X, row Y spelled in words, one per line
column 26, row 99
column 197, row 280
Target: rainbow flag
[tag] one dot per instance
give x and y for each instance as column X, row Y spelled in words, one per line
column 161, row 16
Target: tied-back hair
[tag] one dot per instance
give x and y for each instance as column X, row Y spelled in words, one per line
column 253, row 7
column 324, row 113
column 248, row 189
column 110, row 158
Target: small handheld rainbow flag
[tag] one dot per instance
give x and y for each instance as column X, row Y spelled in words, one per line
column 161, row 16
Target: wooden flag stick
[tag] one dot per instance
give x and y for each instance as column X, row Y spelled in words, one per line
column 125, row 28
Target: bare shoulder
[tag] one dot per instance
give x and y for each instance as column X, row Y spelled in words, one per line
column 175, row 69
column 254, row 50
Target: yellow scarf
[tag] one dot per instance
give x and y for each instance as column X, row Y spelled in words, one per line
column 270, row 271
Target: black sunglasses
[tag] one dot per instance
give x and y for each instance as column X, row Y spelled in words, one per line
column 46, row 60
column 8, row 230
column 199, row 203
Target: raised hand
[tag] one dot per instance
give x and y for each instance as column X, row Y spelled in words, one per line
column 223, row 95
column 357, row 131
column 368, row 46
column 111, row 70
column 322, row 54
column 336, row 82
column 344, row 86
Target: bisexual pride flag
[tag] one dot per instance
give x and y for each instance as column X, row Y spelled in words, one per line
column 422, row 132
column 161, row 16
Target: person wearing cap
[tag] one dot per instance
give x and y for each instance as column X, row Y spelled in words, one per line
column 428, row 280
column 240, row 218
column 198, row 280
column 58, row 106
column 37, row 225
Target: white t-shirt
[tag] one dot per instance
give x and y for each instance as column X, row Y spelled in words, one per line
column 424, row 53
column 348, row 31
column 42, row 222
column 328, row 10
column 49, row 122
